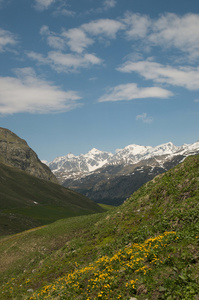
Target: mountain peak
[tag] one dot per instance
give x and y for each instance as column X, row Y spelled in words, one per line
column 94, row 151
column 70, row 155
column 166, row 148
column 15, row 152
column 9, row 136
column 169, row 144
column 137, row 148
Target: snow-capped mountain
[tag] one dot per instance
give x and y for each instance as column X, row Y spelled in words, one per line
column 111, row 178
column 76, row 166
column 134, row 153
column 84, row 163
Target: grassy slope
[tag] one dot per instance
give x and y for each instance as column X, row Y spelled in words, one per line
column 26, row 201
column 120, row 254
column 106, row 206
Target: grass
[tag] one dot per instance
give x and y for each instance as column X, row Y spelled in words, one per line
column 106, row 206
column 100, row 280
column 147, row 248
column 27, row 201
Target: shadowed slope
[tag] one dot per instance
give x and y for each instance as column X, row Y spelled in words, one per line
column 27, row 201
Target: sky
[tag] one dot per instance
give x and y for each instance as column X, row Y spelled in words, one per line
column 83, row 74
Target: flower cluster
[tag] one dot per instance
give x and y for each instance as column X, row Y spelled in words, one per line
column 109, row 277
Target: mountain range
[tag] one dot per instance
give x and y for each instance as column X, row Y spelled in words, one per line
column 111, row 178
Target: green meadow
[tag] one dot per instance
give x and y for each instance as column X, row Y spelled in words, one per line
column 147, row 248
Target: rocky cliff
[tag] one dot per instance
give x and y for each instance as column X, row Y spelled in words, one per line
column 15, row 152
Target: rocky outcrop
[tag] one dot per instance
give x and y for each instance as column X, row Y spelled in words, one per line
column 15, row 152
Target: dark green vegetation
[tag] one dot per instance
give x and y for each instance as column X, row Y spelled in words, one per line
column 27, row 201
column 120, row 254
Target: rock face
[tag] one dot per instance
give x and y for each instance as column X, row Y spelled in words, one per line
column 15, row 152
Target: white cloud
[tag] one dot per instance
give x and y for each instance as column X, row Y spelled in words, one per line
column 6, row 39
column 168, row 31
column 74, row 39
column 64, row 12
column 144, row 118
column 53, row 40
column 180, row 32
column 56, row 42
column 70, row 62
column 196, row 100
column 38, row 57
column 28, row 93
column 63, row 62
column 43, row 4
column 92, row 78
column 187, row 77
column 44, row 30
column 106, row 5
column 105, row 27
column 137, row 25
column 77, row 39
column 131, row 91
column 109, row 4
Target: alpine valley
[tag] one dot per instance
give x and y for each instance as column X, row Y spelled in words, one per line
column 146, row 248
column 111, row 178
column 30, row 195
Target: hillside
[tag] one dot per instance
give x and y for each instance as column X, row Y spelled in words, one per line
column 15, row 152
column 27, row 201
column 147, row 248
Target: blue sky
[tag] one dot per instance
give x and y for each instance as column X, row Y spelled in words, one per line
column 78, row 74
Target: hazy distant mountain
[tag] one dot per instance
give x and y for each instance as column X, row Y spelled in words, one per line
column 111, row 178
